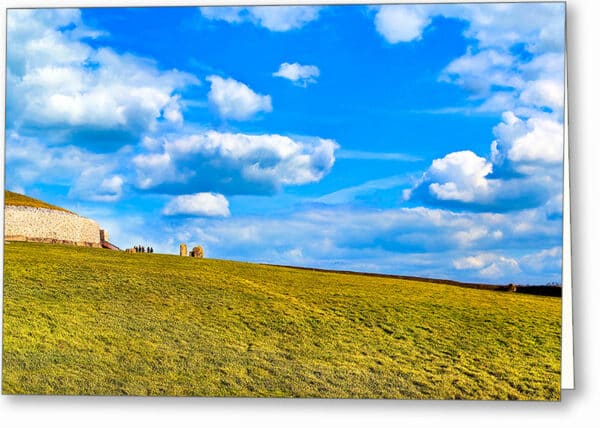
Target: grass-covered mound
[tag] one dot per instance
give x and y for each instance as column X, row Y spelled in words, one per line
column 93, row 321
column 12, row 198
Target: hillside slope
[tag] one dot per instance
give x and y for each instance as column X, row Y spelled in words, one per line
column 91, row 321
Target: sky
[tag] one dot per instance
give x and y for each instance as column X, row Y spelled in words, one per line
column 407, row 139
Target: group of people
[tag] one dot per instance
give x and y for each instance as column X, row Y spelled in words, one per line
column 142, row 249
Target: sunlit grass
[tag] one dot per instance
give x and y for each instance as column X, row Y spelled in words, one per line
column 11, row 198
column 94, row 321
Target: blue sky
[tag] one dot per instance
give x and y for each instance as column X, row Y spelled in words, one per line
column 410, row 139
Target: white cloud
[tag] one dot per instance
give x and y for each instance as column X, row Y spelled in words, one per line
column 521, row 171
column 537, row 140
column 29, row 161
column 468, row 237
column 233, row 15
column 513, row 64
column 402, row 23
column 284, row 18
column 510, row 51
column 301, row 75
column 88, row 176
column 172, row 111
column 499, row 25
column 494, row 265
column 489, row 265
column 471, row 262
column 478, row 71
column 389, row 240
column 295, row 254
column 34, row 39
column 97, row 184
column 496, row 102
column 58, row 81
column 235, row 100
column 496, row 33
column 235, row 163
column 549, row 65
column 273, row 18
column 460, row 176
column 544, row 93
column 350, row 194
column 506, row 24
column 543, row 260
column 199, row 204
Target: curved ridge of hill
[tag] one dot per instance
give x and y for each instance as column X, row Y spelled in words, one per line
column 32, row 220
column 17, row 199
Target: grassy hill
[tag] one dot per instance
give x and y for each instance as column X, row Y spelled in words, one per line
column 92, row 321
column 12, row 198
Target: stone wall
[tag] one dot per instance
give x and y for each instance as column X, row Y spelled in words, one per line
column 45, row 225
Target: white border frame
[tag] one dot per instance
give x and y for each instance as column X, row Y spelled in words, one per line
column 580, row 407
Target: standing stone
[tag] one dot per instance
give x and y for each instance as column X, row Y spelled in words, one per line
column 103, row 235
column 183, row 250
column 197, row 252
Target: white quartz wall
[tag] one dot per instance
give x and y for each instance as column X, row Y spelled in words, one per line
column 24, row 223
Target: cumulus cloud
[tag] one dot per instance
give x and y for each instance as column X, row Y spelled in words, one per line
column 498, row 34
column 233, row 15
column 478, row 71
column 537, row 140
column 550, row 258
column 235, row 100
column 543, row 93
column 549, row 65
column 28, row 161
column 488, row 265
column 514, row 66
column 498, row 86
column 520, row 172
column 301, row 75
column 234, row 163
column 58, row 81
column 468, row 237
column 505, row 24
column 284, row 18
column 88, row 176
column 496, row 102
column 97, row 184
column 273, row 18
column 460, row 176
column 492, row 25
column 402, row 23
column 534, row 81
column 199, row 204
column 389, row 241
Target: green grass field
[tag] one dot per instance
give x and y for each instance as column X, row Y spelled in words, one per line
column 94, row 321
